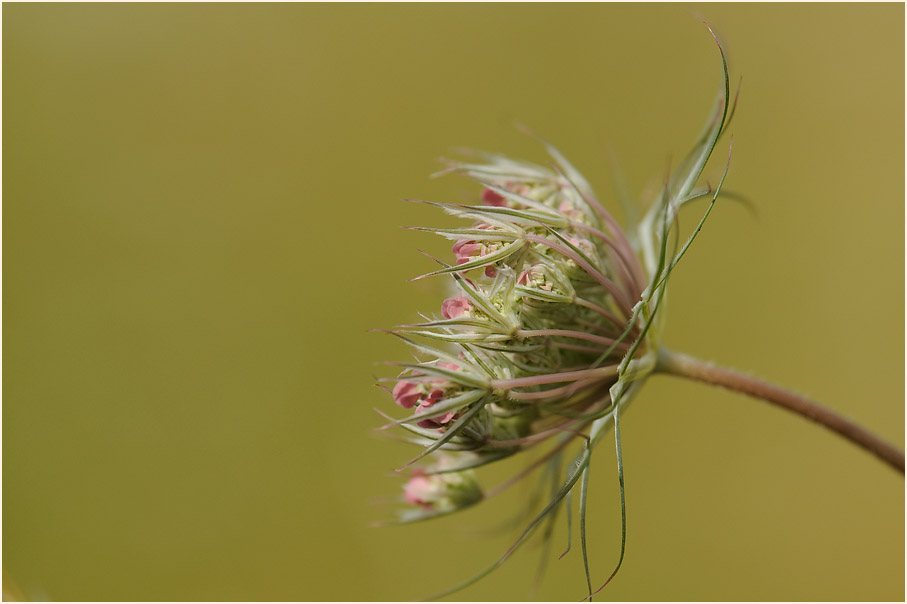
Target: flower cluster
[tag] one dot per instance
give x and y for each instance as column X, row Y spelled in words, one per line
column 542, row 315
column 552, row 324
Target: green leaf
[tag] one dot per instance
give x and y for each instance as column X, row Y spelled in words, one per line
column 428, row 350
column 461, row 321
column 473, row 460
column 451, row 404
column 623, row 505
column 583, row 492
column 477, row 234
column 709, row 139
column 496, row 256
column 462, row 337
column 569, row 508
column 452, row 430
column 409, row 516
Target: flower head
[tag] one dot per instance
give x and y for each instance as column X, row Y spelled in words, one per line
column 553, row 325
column 544, row 315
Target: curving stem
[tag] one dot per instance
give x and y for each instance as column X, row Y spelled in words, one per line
column 681, row 365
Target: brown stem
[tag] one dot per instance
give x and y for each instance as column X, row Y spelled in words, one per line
column 682, row 365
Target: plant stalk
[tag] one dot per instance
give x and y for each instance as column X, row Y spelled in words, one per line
column 681, row 365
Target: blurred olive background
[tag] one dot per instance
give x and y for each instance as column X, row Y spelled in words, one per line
column 201, row 222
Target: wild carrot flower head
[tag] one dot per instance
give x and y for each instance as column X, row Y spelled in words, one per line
column 552, row 324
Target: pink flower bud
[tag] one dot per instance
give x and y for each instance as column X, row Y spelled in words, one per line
column 455, row 307
column 419, row 490
column 493, row 199
column 439, row 420
column 466, row 250
column 407, row 394
column 443, row 419
column 584, row 244
column 534, row 277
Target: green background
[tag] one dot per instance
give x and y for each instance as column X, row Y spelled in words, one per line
column 201, row 212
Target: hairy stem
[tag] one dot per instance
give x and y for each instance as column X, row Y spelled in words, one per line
column 682, row 365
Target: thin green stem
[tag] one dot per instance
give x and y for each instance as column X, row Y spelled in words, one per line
column 681, row 365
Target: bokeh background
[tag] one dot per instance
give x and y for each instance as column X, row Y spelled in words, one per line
column 201, row 222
